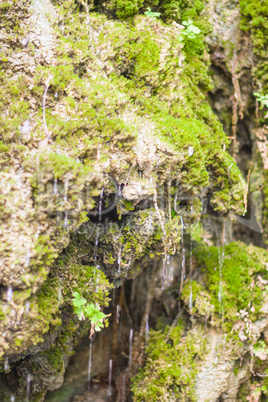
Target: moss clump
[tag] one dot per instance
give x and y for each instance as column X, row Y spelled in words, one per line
column 254, row 18
column 171, row 366
column 126, row 8
column 55, row 358
column 233, row 273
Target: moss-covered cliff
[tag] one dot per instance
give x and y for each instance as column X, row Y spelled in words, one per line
column 109, row 149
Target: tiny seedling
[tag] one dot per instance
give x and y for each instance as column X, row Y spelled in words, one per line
column 150, row 13
column 84, row 310
column 263, row 99
column 190, row 30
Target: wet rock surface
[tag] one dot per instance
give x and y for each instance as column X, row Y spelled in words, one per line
column 109, row 153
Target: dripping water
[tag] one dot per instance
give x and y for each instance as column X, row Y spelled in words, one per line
column 65, row 222
column 119, row 258
column 109, row 392
column 171, row 269
column 66, row 185
column 164, row 272
column 100, row 204
column 28, row 387
column 147, row 329
column 90, row 361
column 96, row 244
column 55, row 186
column 12, row 399
column 6, row 364
column 124, row 388
column 183, row 256
column 191, row 273
column 9, row 294
column 130, row 347
column 27, row 307
column 133, row 289
column 117, row 313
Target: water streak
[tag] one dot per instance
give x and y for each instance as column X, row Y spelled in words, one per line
column 183, row 256
column 66, row 185
column 12, row 399
column 164, row 272
column 130, row 347
column 9, row 294
column 6, row 364
column 147, row 328
column 28, row 387
column 100, row 204
column 119, row 258
column 27, row 307
column 117, row 313
column 124, row 388
column 65, row 222
column 109, row 392
column 133, row 289
column 55, row 186
column 90, row 361
column 171, row 269
column 191, row 273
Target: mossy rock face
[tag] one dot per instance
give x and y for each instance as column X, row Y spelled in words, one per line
column 94, row 108
column 254, row 20
column 171, row 367
column 208, row 355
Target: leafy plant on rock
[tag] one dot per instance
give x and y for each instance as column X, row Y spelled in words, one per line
column 84, row 310
column 190, row 30
column 150, row 13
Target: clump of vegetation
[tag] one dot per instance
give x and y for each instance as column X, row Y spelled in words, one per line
column 171, row 366
column 89, row 310
column 150, row 13
column 238, row 275
column 126, row 8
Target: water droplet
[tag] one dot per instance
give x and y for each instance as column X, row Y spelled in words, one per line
column 6, row 364
column 190, row 151
column 9, row 294
column 27, row 307
column 28, row 386
column 55, row 187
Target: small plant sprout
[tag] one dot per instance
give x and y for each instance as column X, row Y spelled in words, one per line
column 190, row 30
column 150, row 13
column 263, row 99
column 84, row 310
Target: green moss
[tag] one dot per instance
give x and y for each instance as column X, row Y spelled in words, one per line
column 172, row 360
column 126, row 8
column 55, row 358
column 237, row 274
column 254, row 18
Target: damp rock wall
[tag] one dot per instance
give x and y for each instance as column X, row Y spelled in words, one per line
column 109, row 149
